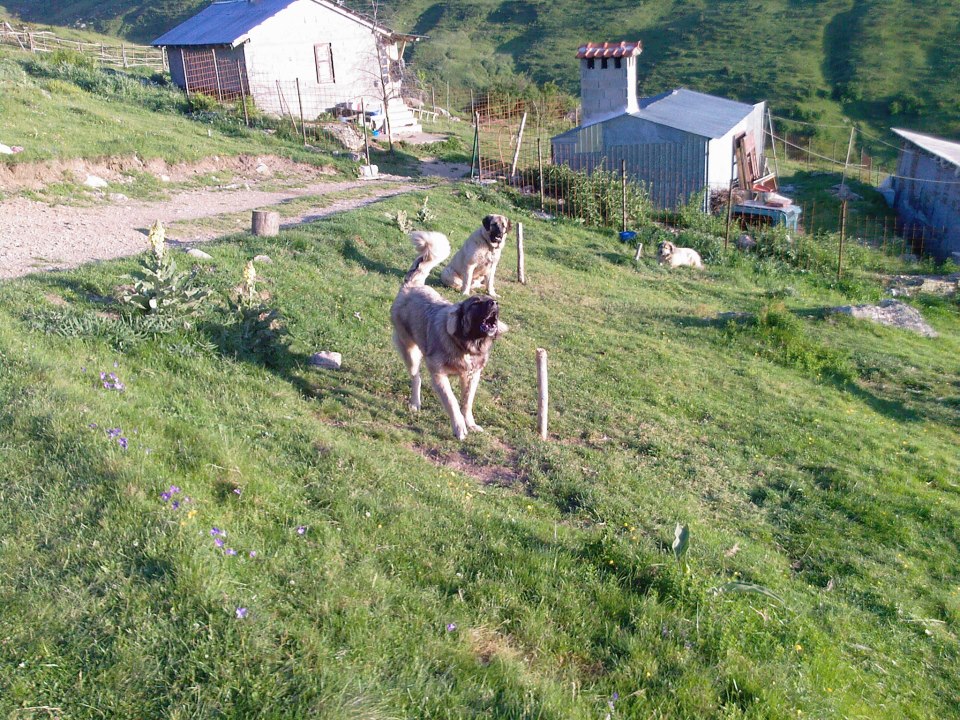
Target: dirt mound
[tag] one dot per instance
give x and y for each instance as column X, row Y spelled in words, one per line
column 35, row 176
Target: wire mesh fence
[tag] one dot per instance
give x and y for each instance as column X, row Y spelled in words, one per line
column 122, row 55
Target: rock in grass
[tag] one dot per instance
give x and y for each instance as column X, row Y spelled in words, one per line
column 95, row 181
column 326, row 360
column 890, row 312
column 199, row 254
column 263, row 259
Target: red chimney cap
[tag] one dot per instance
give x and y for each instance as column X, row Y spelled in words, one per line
column 610, row 50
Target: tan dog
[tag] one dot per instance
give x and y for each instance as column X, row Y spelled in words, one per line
column 670, row 254
column 451, row 339
column 476, row 262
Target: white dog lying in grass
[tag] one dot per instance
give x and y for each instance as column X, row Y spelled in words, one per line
column 670, row 254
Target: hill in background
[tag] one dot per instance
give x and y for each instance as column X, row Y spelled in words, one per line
column 880, row 62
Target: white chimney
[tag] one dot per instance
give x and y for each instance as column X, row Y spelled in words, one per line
column 608, row 79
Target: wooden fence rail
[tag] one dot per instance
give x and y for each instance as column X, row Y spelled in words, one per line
column 122, row 55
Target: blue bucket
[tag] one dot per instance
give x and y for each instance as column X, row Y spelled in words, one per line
column 628, row 235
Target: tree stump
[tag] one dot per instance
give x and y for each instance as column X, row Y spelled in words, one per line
column 266, row 223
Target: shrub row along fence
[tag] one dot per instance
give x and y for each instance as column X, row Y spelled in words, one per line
column 123, row 55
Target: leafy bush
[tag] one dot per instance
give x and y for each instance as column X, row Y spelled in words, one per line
column 255, row 330
column 159, row 289
column 200, row 102
column 596, row 198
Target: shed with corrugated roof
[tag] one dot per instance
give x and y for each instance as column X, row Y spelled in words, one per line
column 678, row 143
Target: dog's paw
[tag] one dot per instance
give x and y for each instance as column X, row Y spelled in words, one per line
column 413, row 408
column 460, row 432
column 493, row 294
column 473, row 427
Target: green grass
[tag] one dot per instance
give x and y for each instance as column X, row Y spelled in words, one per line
column 881, row 63
column 813, row 457
column 63, row 109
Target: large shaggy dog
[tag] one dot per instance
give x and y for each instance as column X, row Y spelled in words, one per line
column 475, row 264
column 670, row 254
column 451, row 339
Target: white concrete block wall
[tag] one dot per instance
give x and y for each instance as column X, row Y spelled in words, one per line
column 283, row 47
column 605, row 91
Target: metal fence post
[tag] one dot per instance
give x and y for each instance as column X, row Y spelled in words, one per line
column 843, row 229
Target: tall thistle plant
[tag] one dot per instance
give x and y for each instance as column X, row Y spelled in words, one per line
column 257, row 329
column 158, row 288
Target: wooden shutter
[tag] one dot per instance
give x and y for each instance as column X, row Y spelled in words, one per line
column 323, row 53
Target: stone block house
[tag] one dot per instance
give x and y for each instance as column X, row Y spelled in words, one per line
column 286, row 54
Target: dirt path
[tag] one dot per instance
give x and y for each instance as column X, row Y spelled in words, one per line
column 36, row 236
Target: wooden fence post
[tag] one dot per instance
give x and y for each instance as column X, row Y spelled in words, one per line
column 843, row 229
column 540, row 168
column 303, row 125
column 726, row 235
column 243, row 94
column 521, row 261
column 516, row 154
column 265, row 223
column 216, row 75
column 542, row 389
column 623, row 194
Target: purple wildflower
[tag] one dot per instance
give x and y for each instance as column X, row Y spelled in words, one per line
column 174, row 489
column 241, row 613
column 216, row 531
column 230, row 551
column 122, row 442
column 165, row 496
column 103, row 375
column 302, row 530
column 114, row 432
column 218, row 542
column 92, row 426
column 451, row 627
column 175, row 504
column 237, row 491
column 253, row 553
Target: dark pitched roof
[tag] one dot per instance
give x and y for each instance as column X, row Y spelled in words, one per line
column 229, row 22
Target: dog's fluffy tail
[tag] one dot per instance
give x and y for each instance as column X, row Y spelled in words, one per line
column 432, row 249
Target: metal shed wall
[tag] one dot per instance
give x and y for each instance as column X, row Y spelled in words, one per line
column 927, row 195
column 671, row 163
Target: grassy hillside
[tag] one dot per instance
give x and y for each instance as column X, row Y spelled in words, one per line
column 383, row 570
column 880, row 62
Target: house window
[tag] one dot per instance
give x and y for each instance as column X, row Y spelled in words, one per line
column 618, row 63
column 591, row 63
column 603, row 64
column 323, row 53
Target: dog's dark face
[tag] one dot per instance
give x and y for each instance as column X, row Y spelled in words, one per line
column 497, row 227
column 479, row 318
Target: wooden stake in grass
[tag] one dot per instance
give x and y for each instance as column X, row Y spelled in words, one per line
column 521, row 263
column 265, row 223
column 542, row 403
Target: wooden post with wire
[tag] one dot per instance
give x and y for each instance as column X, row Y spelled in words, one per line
column 542, row 388
column 843, row 230
column 540, row 167
column 516, row 154
column 726, row 235
column 363, row 121
column 303, row 125
column 521, row 262
column 243, row 95
column 623, row 195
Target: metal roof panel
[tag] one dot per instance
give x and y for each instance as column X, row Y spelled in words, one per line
column 697, row 113
column 949, row 151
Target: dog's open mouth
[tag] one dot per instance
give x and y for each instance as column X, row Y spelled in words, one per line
column 489, row 326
